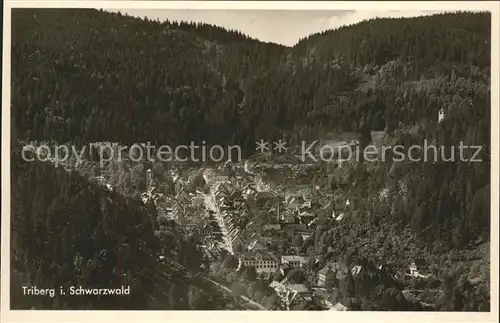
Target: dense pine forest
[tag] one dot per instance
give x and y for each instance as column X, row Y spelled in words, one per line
column 81, row 76
column 109, row 77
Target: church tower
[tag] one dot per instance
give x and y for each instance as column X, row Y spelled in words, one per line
column 441, row 115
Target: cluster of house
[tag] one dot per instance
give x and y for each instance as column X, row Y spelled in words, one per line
column 214, row 216
column 299, row 208
column 186, row 209
column 303, row 207
column 228, row 202
column 249, row 190
column 225, row 214
column 290, row 293
column 227, row 205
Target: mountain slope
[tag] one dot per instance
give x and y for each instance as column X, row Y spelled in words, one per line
column 123, row 79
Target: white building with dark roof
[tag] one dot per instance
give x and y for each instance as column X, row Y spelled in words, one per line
column 294, row 261
column 261, row 261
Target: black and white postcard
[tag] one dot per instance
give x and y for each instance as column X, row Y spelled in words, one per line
column 292, row 160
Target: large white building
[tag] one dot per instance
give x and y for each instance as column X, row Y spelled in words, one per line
column 261, row 261
column 294, row 261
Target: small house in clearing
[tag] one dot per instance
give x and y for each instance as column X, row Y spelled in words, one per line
column 418, row 268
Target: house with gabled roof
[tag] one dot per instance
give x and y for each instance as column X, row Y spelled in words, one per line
column 305, row 216
column 338, row 269
column 418, row 268
column 279, row 288
column 294, row 261
column 355, row 270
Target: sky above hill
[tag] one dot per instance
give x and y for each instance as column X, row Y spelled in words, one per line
column 284, row 27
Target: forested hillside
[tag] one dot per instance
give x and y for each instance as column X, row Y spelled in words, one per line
column 87, row 75
column 67, row 231
column 109, row 77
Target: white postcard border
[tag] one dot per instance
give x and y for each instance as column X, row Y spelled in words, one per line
column 249, row 316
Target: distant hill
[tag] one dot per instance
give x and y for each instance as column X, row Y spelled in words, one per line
column 85, row 75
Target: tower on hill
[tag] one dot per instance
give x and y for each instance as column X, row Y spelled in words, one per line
column 441, row 115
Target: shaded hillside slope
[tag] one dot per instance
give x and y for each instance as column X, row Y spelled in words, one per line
column 67, row 231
